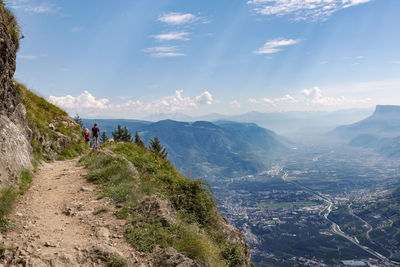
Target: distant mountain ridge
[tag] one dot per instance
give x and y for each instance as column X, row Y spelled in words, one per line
column 290, row 123
column 384, row 122
column 209, row 150
column 380, row 132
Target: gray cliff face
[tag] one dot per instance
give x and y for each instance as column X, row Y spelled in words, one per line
column 9, row 99
column 15, row 148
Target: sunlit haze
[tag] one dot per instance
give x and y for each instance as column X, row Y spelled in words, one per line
column 132, row 59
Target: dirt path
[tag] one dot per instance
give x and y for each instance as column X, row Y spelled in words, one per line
column 57, row 224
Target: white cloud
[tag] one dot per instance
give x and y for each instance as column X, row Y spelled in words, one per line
column 182, row 36
column 163, row 51
column 169, row 54
column 273, row 101
column 28, row 57
column 274, row 46
column 76, row 29
column 176, row 18
column 235, row 103
column 33, row 6
column 31, row 57
column 276, row 101
column 252, row 100
column 396, row 62
column 204, row 98
column 355, row 58
column 82, row 102
column 87, row 105
column 302, row 9
column 314, row 96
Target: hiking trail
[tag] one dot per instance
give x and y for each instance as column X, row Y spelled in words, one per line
column 61, row 221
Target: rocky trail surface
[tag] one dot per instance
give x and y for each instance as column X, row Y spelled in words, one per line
column 60, row 221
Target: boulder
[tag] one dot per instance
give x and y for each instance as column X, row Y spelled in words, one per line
column 169, row 257
column 156, row 209
column 104, row 252
column 63, row 260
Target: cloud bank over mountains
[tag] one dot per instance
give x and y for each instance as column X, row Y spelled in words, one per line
column 87, row 105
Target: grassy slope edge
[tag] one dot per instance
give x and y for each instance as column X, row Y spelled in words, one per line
column 196, row 232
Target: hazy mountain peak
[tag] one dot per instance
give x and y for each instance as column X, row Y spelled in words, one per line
column 387, row 110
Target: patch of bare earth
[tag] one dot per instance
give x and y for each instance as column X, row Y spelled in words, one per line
column 57, row 223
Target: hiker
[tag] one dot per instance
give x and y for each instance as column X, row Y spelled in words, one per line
column 95, row 134
column 87, row 137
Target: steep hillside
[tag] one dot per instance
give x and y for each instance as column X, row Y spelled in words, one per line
column 165, row 209
column 210, row 150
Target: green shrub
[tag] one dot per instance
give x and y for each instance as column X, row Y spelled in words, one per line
column 100, row 210
column 116, row 261
column 26, row 180
column 7, row 200
column 123, row 212
column 232, row 254
column 184, row 238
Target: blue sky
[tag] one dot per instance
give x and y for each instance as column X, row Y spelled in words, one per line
column 131, row 59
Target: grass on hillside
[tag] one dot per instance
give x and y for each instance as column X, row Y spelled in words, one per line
column 194, row 234
column 8, row 196
column 11, row 23
column 39, row 115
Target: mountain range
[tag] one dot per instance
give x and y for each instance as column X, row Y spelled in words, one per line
column 208, row 150
column 292, row 123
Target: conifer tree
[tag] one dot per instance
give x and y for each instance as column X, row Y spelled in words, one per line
column 117, row 134
column 78, row 120
column 126, row 135
column 138, row 141
column 103, row 138
column 122, row 134
column 156, row 147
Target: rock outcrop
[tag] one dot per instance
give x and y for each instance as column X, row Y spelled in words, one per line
column 156, row 209
column 15, row 148
column 169, row 257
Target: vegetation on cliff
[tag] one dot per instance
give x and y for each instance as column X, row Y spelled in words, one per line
column 11, row 23
column 54, row 134
column 195, row 230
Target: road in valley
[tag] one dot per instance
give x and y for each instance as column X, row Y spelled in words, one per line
column 335, row 228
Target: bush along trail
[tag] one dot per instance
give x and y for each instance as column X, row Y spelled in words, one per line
column 122, row 205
